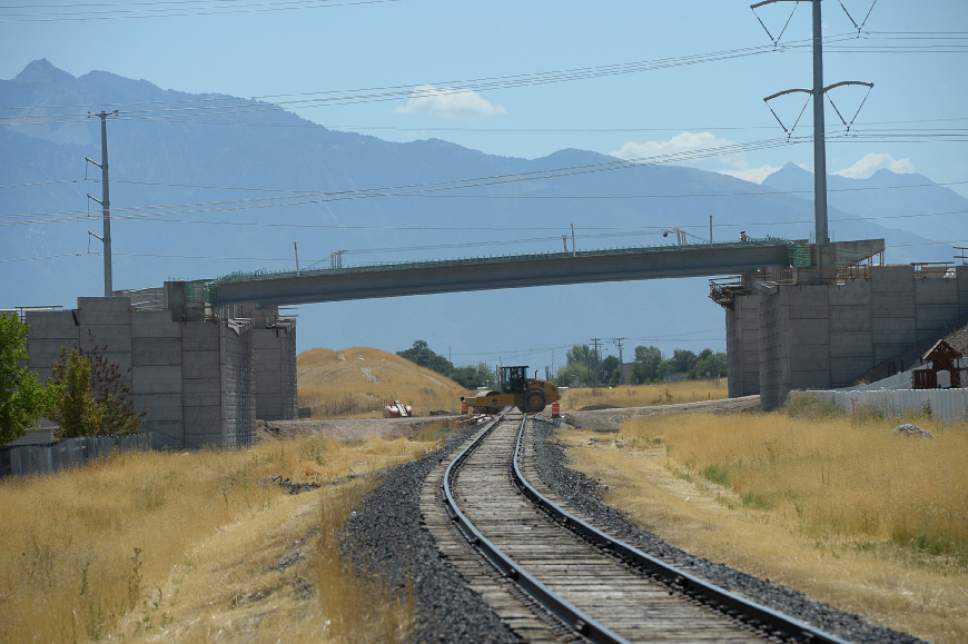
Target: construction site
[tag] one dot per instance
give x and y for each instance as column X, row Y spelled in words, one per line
column 776, row 452
column 206, row 359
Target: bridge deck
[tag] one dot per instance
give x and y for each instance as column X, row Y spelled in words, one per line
column 514, row 271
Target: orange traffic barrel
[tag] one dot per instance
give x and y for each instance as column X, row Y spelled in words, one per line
column 555, row 410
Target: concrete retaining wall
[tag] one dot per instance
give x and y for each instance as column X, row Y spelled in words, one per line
column 821, row 336
column 275, row 372
column 743, row 343
column 72, row 452
column 195, row 380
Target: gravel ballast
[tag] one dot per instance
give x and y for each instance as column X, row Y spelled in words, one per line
column 585, row 495
column 385, row 536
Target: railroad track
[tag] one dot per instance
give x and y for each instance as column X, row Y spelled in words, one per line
column 592, row 586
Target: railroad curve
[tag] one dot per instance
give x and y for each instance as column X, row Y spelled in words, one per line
column 601, row 589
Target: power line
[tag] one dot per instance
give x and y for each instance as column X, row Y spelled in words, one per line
column 324, row 98
column 491, row 180
column 134, row 214
column 172, row 10
column 764, row 192
column 591, row 130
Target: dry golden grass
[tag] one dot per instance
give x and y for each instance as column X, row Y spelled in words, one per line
column 839, row 508
column 641, row 395
column 149, row 545
column 355, row 382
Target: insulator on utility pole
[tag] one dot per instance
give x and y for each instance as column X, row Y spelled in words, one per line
column 817, row 93
column 620, row 345
column 105, row 201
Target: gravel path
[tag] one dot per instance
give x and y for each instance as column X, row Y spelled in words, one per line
column 386, row 537
column 609, row 419
column 585, row 495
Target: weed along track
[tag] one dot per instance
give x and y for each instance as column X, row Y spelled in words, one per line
column 551, row 576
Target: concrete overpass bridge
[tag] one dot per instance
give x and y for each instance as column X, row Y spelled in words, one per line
column 205, row 358
column 477, row 274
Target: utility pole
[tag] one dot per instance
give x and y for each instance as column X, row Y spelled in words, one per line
column 573, row 247
column 819, row 133
column 105, row 201
column 710, row 229
column 596, row 343
column 817, row 93
column 295, row 250
column 619, row 344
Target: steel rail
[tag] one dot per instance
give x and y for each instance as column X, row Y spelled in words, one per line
column 560, row 607
column 724, row 600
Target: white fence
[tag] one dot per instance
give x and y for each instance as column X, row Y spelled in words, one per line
column 950, row 405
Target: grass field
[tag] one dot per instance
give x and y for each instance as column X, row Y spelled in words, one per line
column 355, row 382
column 160, row 546
column 640, row 395
column 838, row 507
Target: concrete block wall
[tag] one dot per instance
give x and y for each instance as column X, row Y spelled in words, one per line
column 203, row 383
column 193, row 380
column 822, row 336
column 50, row 333
column 275, row 372
column 852, row 345
column 774, row 364
column 743, row 346
column 236, row 364
column 156, row 372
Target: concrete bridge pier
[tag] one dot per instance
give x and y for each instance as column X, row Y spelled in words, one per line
column 200, row 375
column 868, row 324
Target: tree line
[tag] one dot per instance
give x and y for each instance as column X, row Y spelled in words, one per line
column 86, row 394
column 471, row 377
column 586, row 368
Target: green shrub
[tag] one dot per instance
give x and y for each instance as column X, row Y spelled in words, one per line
column 88, row 396
column 804, row 405
column 72, row 404
column 22, row 399
column 717, row 474
column 113, row 396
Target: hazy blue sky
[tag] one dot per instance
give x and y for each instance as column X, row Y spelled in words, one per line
column 433, row 41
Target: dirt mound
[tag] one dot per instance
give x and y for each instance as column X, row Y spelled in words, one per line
column 355, row 382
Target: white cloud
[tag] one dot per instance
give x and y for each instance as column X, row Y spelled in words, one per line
column 734, row 165
column 449, row 102
column 756, row 175
column 874, row 161
column 682, row 142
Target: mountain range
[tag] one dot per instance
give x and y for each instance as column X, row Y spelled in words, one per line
column 207, row 184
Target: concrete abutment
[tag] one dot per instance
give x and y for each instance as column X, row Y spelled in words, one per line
column 866, row 326
column 200, row 378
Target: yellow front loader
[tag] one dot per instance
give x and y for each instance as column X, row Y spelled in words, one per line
column 515, row 389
